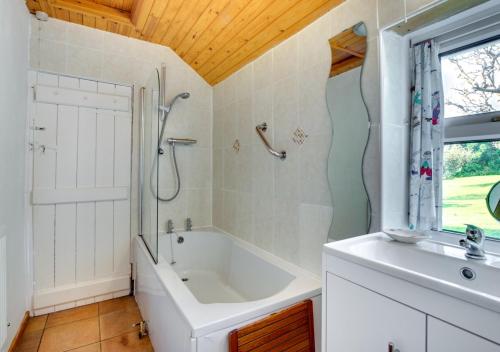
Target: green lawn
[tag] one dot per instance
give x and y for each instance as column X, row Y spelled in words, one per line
column 464, row 203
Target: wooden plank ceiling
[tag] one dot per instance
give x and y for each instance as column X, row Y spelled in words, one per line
column 215, row 37
column 348, row 51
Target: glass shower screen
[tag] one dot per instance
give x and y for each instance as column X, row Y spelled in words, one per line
column 150, row 122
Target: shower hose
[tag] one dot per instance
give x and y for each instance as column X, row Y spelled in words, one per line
column 176, row 168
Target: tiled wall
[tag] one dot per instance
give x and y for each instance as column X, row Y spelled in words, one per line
column 66, row 48
column 285, row 206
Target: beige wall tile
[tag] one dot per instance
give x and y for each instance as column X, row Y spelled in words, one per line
column 52, row 56
column 413, row 6
column 199, row 206
column 390, row 12
column 83, row 62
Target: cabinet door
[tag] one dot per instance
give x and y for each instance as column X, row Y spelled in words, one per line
column 359, row 320
column 445, row 337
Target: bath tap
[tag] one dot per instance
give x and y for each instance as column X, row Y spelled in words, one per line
column 189, row 224
column 474, row 242
column 143, row 328
column 170, row 226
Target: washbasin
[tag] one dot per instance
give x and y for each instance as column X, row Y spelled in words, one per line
column 434, row 265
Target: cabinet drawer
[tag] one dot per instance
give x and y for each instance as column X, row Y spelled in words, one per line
column 360, row 320
column 442, row 336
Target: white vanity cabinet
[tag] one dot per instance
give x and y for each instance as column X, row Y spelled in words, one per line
column 381, row 296
column 361, row 320
column 442, row 336
column 358, row 319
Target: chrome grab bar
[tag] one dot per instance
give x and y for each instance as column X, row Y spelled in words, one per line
column 260, row 131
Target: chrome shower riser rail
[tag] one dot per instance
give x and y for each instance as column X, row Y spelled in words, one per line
column 260, row 131
column 184, row 141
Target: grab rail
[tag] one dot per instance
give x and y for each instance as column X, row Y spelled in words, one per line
column 260, row 131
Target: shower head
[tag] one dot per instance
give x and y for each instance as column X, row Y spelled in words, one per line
column 184, row 95
column 167, row 108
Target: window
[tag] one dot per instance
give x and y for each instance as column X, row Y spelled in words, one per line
column 471, row 157
column 471, row 80
column 470, row 171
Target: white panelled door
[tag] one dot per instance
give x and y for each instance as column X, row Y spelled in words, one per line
column 80, row 190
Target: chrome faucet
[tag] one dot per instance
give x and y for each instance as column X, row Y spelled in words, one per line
column 170, row 226
column 474, row 242
column 189, row 224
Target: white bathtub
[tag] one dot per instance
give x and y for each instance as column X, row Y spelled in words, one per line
column 229, row 284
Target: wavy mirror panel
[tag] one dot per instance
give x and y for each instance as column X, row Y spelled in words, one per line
column 350, row 129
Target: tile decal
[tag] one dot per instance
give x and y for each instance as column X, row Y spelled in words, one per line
column 299, row 136
column 236, row 146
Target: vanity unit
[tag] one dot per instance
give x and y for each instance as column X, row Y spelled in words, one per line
column 382, row 295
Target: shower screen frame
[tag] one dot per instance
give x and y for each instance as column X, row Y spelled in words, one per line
column 145, row 179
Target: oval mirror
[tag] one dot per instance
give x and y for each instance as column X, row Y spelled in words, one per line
column 350, row 129
column 493, row 201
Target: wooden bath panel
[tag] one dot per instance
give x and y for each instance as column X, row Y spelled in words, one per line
column 289, row 330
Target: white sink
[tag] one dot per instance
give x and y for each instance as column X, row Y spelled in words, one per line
column 433, row 265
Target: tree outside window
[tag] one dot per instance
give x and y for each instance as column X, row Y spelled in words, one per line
column 471, row 82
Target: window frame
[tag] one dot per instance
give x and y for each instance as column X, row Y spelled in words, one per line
column 473, row 128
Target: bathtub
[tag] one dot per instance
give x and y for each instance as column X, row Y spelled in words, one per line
column 217, row 283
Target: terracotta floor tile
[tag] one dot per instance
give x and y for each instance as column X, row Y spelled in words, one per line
column 95, row 347
column 70, row 336
column 36, row 323
column 29, row 341
column 71, row 315
column 127, row 343
column 118, row 323
column 117, row 304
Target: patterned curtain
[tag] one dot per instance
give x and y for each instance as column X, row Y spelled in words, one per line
column 426, row 138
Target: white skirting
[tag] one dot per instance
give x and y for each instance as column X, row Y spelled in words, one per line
column 82, row 291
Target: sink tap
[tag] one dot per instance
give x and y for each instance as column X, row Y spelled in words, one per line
column 474, row 242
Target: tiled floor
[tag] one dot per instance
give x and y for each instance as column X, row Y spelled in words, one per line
column 99, row 327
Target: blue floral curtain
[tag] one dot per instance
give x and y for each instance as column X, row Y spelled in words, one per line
column 426, row 138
